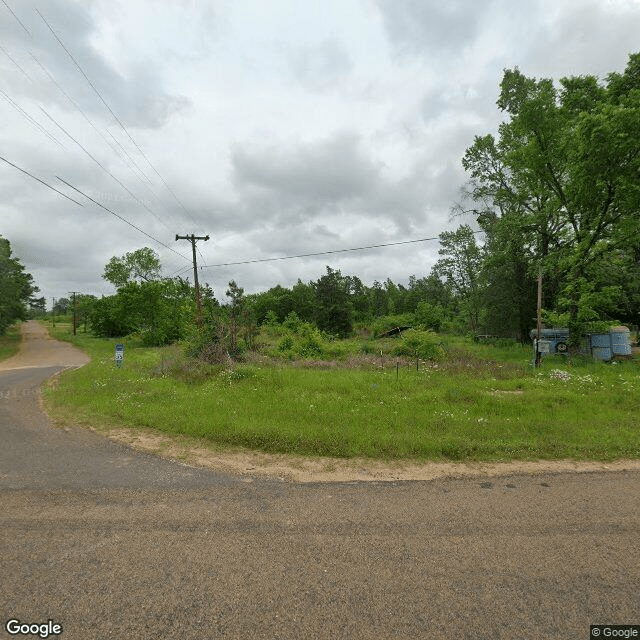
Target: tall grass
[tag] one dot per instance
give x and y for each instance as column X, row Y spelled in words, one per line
column 10, row 342
column 468, row 407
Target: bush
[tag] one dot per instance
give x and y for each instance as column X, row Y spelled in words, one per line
column 287, row 343
column 271, row 319
column 207, row 344
column 306, row 343
column 292, row 322
column 424, row 344
column 430, row 316
column 386, row 323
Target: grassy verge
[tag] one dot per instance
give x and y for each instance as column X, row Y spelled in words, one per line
column 469, row 407
column 10, row 342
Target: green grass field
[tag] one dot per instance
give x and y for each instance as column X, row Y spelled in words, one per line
column 10, row 342
column 480, row 403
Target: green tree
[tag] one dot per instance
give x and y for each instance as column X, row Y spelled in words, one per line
column 159, row 311
column 61, row 306
column 142, row 265
column 37, row 307
column 564, row 169
column 333, row 312
column 459, row 267
column 16, row 288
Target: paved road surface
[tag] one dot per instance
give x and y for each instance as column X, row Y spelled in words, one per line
column 110, row 543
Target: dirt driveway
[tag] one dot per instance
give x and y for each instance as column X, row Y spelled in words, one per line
column 39, row 350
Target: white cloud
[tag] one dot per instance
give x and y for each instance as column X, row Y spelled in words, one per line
column 282, row 127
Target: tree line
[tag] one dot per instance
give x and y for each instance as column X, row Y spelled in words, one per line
column 17, row 289
column 555, row 193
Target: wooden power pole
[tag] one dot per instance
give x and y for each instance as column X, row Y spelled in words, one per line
column 75, row 322
column 193, row 239
column 539, row 319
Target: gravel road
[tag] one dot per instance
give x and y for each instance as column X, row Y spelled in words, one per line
column 111, row 543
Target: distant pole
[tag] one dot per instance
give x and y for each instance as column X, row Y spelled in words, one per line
column 539, row 318
column 193, row 239
column 74, row 293
column 53, row 312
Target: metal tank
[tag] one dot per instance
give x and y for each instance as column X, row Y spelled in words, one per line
column 614, row 344
column 620, row 341
column 600, row 344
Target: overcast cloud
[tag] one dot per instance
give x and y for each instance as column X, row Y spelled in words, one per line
column 281, row 127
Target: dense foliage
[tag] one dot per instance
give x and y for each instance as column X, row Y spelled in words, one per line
column 556, row 192
column 16, row 288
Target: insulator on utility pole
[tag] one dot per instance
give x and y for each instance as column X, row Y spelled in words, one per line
column 193, row 239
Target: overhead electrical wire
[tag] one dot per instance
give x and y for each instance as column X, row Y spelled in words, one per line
column 16, row 17
column 64, row 195
column 24, row 73
column 115, row 117
column 86, row 117
column 54, row 139
column 46, row 184
column 318, row 253
column 123, row 219
column 33, row 121
column 142, row 204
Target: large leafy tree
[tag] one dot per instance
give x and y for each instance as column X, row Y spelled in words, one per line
column 333, row 312
column 459, row 267
column 16, row 288
column 142, row 265
column 563, row 176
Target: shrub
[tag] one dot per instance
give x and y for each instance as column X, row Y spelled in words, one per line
column 271, row 319
column 310, row 344
column 307, row 343
column 292, row 322
column 424, row 344
column 430, row 316
column 386, row 323
column 287, row 343
column 208, row 344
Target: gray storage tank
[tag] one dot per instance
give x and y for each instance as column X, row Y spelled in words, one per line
column 614, row 344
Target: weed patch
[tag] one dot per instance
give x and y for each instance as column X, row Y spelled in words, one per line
column 466, row 407
column 10, row 342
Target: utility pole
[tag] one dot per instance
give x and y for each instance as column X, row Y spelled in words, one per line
column 193, row 239
column 53, row 311
column 74, row 294
column 539, row 317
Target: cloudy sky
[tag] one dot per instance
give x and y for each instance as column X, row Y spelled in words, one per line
column 278, row 128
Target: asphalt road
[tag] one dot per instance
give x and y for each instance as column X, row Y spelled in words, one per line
column 111, row 543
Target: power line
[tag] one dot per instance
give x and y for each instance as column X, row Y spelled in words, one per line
column 115, row 117
column 319, row 253
column 121, row 218
column 124, row 156
column 86, row 117
column 24, row 73
column 33, row 121
column 105, row 169
column 16, row 17
column 64, row 195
